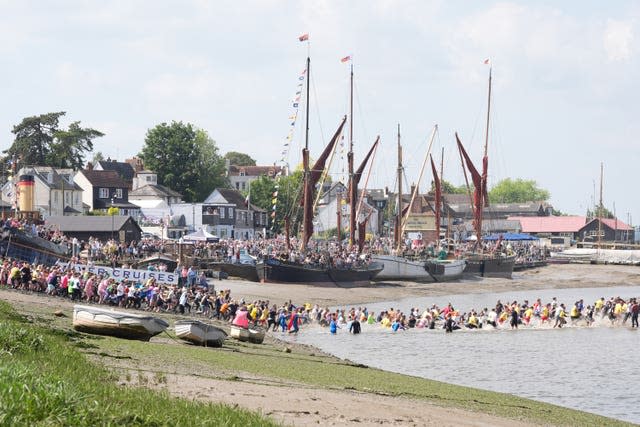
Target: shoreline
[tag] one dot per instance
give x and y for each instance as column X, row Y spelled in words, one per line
column 572, row 276
column 311, row 404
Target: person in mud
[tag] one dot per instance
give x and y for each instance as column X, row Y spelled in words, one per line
column 355, row 326
column 515, row 316
column 449, row 323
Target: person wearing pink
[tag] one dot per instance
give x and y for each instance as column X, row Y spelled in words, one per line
column 89, row 290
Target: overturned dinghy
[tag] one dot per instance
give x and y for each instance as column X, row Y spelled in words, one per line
column 200, row 333
column 119, row 324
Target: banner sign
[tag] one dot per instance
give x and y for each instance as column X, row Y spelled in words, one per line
column 119, row 274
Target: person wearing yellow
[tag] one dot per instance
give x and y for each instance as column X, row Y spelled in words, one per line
column 561, row 316
column 528, row 313
column 575, row 313
column 472, row 323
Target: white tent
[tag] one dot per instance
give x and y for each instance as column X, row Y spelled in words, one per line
column 201, row 236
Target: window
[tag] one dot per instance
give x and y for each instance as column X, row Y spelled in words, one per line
column 77, row 199
column 55, row 196
column 118, row 193
column 244, row 185
column 242, row 172
column 103, row 193
column 237, row 185
column 149, row 178
column 230, row 213
column 222, row 210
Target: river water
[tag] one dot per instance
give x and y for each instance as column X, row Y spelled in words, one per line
column 592, row 369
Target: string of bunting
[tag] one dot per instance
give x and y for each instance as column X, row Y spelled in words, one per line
column 284, row 154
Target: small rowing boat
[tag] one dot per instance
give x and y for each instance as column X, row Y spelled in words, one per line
column 101, row 321
column 254, row 335
column 200, row 333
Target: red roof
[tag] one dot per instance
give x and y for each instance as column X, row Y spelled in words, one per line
column 616, row 224
column 550, row 224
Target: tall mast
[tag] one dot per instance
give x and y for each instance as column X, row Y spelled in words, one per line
column 486, row 135
column 599, row 214
column 399, row 202
column 352, row 187
column 307, row 214
column 482, row 200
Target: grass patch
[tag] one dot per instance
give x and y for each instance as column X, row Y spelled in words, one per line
column 44, row 380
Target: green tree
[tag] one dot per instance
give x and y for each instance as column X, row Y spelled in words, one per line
column 185, row 158
column 288, row 203
column 517, row 191
column 34, row 138
column 38, row 141
column 97, row 157
column 449, row 188
column 600, row 212
column 239, row 159
column 70, row 146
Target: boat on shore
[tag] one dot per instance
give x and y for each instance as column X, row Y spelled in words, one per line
column 446, row 270
column 101, row 321
column 480, row 262
column 253, row 335
column 200, row 333
column 276, row 271
column 17, row 244
column 401, row 268
column 489, row 265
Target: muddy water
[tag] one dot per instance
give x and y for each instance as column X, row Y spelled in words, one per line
column 592, row 369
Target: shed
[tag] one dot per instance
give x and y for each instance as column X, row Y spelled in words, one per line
column 122, row 228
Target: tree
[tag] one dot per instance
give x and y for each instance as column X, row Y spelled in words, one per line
column 518, row 191
column 38, row 141
column 97, row 157
column 34, row 138
column 70, row 146
column 185, row 158
column 239, row 159
column 448, row 188
column 288, row 199
column 600, row 211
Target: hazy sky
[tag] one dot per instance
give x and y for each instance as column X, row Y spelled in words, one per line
column 565, row 81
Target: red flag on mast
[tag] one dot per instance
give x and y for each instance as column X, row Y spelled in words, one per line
column 304, row 37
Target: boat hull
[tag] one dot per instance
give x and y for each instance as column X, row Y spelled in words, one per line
column 243, row 271
column 100, row 321
column 253, row 335
column 446, row 270
column 200, row 333
column 400, row 268
column 271, row 270
column 16, row 244
column 490, row 266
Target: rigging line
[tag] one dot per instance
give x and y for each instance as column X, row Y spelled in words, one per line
column 362, row 113
column 315, row 98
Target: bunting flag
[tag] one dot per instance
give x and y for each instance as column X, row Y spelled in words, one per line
column 284, row 154
column 346, row 59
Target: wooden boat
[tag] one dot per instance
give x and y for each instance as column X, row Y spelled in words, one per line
column 200, row 333
column 251, row 334
column 256, row 335
column 485, row 264
column 101, row 321
column 400, row 268
column 445, row 270
column 239, row 333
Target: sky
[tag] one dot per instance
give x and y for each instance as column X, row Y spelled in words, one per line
column 565, row 92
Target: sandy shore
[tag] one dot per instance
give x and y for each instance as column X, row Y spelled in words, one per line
column 301, row 405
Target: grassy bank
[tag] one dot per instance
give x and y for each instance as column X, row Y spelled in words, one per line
column 46, row 381
column 150, row 363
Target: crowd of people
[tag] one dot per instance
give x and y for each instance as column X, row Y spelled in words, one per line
column 553, row 314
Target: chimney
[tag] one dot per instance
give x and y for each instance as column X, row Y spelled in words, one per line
column 89, row 166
